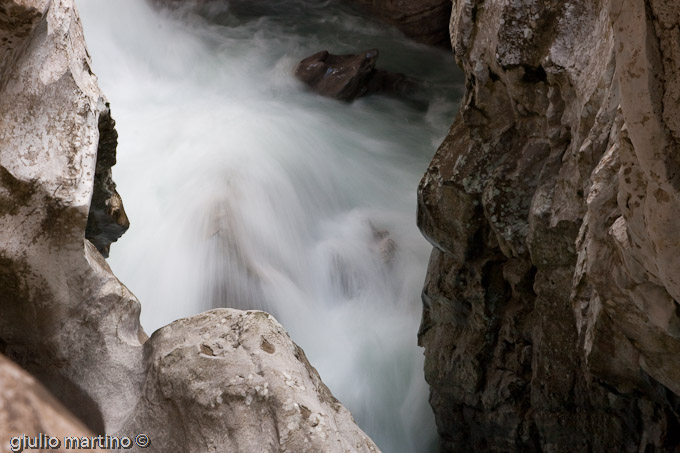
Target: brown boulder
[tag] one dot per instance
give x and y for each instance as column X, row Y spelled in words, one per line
column 347, row 77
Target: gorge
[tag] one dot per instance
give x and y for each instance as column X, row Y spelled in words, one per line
column 549, row 316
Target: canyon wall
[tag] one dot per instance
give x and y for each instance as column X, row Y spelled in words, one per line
column 223, row 380
column 551, row 318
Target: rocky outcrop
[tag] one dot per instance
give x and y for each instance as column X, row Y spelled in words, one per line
column 426, row 21
column 551, row 314
column 251, row 387
column 347, row 77
column 31, row 417
column 67, row 319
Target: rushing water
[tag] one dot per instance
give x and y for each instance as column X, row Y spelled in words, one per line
column 245, row 190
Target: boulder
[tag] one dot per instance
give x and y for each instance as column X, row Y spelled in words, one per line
column 347, row 77
column 232, row 380
column 65, row 316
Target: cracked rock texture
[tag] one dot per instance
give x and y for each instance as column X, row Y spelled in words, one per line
column 67, row 320
column 107, row 220
column 551, row 318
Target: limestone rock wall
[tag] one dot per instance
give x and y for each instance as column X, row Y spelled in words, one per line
column 551, row 316
column 210, row 383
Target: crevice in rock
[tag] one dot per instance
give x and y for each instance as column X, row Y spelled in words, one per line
column 534, row 74
column 107, row 220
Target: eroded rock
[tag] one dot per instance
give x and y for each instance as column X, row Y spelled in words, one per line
column 65, row 316
column 107, row 220
column 231, row 380
column 550, row 307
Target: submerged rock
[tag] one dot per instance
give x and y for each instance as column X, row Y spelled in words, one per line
column 347, row 77
column 551, row 312
column 385, row 245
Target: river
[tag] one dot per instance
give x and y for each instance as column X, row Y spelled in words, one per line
column 245, row 190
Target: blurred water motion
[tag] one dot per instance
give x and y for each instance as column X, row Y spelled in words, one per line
column 244, row 190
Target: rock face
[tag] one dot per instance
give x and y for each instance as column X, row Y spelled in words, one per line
column 551, row 313
column 65, row 317
column 347, row 77
column 426, row 21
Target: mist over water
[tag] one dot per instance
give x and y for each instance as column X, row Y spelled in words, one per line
column 245, row 190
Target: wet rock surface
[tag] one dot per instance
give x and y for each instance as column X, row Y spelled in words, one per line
column 551, row 304
column 347, row 77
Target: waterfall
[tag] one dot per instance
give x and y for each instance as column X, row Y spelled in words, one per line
column 245, row 190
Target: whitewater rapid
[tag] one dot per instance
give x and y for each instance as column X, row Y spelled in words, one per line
column 245, row 190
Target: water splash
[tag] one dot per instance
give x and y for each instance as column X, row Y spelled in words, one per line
column 245, row 190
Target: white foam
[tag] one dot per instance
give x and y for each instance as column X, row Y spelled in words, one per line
column 246, row 191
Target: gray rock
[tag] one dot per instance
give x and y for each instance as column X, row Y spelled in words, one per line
column 243, row 385
column 550, row 315
column 65, row 316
